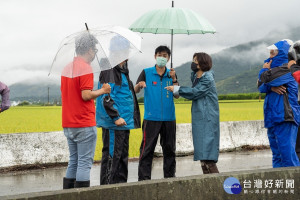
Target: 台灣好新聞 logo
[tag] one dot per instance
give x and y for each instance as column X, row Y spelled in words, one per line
column 232, row 186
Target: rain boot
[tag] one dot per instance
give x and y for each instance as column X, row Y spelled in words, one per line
column 212, row 167
column 68, row 183
column 204, row 168
column 81, row 184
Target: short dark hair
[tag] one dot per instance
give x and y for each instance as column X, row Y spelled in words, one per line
column 163, row 49
column 84, row 42
column 204, row 61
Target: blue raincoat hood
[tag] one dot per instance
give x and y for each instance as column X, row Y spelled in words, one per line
column 282, row 56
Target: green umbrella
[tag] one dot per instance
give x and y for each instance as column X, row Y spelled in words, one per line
column 172, row 21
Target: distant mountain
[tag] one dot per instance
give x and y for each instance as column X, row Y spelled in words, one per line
column 235, row 68
column 34, row 92
column 245, row 82
column 234, row 64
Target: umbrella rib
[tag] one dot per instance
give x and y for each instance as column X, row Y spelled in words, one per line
column 121, row 36
column 104, row 54
column 73, row 65
column 127, row 39
column 55, row 58
column 106, row 57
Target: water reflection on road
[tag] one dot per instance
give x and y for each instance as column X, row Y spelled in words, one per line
column 51, row 179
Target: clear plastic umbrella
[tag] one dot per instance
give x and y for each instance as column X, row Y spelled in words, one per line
column 110, row 44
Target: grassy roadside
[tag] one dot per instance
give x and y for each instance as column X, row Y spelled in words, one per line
column 45, row 119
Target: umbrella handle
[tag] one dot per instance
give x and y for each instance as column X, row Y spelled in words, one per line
column 168, row 75
column 107, row 98
column 172, row 42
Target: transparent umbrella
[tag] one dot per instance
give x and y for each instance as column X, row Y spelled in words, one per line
column 103, row 48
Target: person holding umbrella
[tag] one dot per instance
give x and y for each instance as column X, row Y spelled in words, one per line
column 4, row 92
column 205, row 112
column 78, row 111
column 159, row 115
column 116, row 114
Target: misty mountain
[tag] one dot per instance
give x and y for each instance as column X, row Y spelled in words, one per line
column 236, row 69
column 35, row 92
column 245, row 82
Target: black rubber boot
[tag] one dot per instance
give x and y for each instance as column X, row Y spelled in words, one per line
column 68, row 183
column 204, row 168
column 212, row 167
column 209, row 167
column 81, row 184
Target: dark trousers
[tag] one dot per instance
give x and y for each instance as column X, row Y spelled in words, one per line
column 114, row 163
column 298, row 143
column 151, row 130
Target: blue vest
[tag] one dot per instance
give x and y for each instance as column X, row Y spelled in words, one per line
column 158, row 102
column 123, row 99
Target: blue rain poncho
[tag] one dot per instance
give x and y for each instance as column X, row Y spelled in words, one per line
column 205, row 116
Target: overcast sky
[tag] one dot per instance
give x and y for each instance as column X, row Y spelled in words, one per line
column 31, row 30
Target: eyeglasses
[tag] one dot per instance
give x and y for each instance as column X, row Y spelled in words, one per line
column 95, row 50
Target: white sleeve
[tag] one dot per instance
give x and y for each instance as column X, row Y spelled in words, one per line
column 176, row 90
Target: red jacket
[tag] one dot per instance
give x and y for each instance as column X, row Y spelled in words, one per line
column 295, row 70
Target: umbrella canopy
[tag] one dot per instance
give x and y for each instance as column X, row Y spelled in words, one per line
column 178, row 20
column 104, row 47
column 172, row 21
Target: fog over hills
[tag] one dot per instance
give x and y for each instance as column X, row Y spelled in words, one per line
column 236, row 69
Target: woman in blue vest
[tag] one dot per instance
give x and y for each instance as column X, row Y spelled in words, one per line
column 205, row 112
column 159, row 115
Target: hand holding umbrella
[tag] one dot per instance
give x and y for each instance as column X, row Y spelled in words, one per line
column 172, row 21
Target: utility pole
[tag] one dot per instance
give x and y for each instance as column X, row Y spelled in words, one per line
column 48, row 95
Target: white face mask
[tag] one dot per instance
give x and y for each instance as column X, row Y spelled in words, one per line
column 161, row 61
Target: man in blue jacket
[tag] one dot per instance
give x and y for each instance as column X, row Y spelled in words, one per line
column 281, row 109
column 116, row 114
column 159, row 115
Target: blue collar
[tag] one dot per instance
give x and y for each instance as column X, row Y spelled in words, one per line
column 165, row 73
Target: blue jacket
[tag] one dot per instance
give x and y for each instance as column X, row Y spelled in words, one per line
column 122, row 102
column 205, row 116
column 279, row 108
column 158, row 102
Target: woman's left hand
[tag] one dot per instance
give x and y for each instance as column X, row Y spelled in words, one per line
column 170, row 88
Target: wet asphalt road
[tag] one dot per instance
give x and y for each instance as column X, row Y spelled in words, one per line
column 51, row 179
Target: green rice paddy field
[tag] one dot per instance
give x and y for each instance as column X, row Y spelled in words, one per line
column 48, row 118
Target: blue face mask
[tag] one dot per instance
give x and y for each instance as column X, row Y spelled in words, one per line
column 161, row 61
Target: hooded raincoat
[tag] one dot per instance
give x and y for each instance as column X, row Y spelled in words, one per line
column 281, row 112
column 205, row 116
